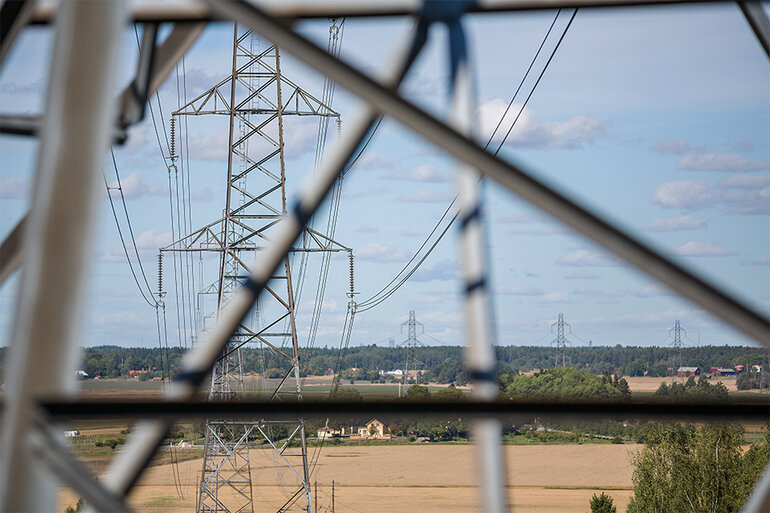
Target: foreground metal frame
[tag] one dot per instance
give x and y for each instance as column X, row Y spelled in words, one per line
column 380, row 97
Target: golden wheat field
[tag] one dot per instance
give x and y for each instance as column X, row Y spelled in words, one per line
column 420, row 478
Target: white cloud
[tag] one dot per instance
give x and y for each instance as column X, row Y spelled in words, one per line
column 299, row 136
column 14, row 188
column 582, row 275
column 210, row 146
column 119, row 319
column 517, row 290
column 137, row 138
column 151, row 239
column 531, row 132
column 556, row 296
column 672, row 146
column 761, row 261
column 518, row 217
column 421, row 173
column 377, row 252
column 653, row 319
column 702, row 249
column 742, row 194
column 444, row 270
column 712, row 161
column 373, row 160
column 701, row 158
column 365, row 193
column 743, row 181
column 146, row 242
column 425, row 196
column 134, row 187
column 687, row 194
column 676, row 224
column 747, row 201
column 36, row 87
column 365, row 228
column 203, row 194
column 585, row 258
column 651, row 290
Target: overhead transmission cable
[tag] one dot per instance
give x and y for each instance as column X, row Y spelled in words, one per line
column 334, row 46
column 385, row 292
column 405, row 273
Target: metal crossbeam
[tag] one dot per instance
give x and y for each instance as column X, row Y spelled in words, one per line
column 652, row 408
column 289, row 10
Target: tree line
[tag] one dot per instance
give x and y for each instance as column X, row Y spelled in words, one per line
column 440, row 364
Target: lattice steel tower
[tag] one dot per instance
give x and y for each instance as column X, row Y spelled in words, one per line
column 560, row 342
column 255, row 97
column 411, row 350
column 677, row 345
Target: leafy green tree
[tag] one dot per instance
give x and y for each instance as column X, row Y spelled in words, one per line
column 417, row 393
column 753, row 379
column 701, row 470
column 112, row 443
column 602, row 504
column 691, row 389
column 449, row 394
column 636, row 368
column 563, row 382
column 343, row 393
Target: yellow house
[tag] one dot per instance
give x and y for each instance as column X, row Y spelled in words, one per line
column 373, row 429
column 327, row 432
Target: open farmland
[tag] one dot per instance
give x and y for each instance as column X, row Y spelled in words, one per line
column 650, row 384
column 425, row 478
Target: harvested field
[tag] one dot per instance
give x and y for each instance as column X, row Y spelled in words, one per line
column 649, row 384
column 425, row 478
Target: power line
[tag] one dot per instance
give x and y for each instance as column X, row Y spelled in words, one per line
column 513, row 98
column 384, row 293
column 555, row 48
column 123, row 241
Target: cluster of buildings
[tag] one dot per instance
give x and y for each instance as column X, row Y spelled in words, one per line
column 372, row 430
column 715, row 371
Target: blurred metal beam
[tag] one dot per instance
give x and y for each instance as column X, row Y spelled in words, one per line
column 154, row 66
column 10, row 250
column 653, row 408
column 287, row 10
column 479, row 328
column 49, row 449
column 760, row 24
column 14, row 16
column 759, row 500
column 509, row 174
column 44, row 351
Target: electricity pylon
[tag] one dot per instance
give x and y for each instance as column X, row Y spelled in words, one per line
column 676, row 344
column 255, row 97
column 411, row 350
column 560, row 342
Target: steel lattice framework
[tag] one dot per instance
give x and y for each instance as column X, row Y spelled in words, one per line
column 255, row 98
column 80, row 122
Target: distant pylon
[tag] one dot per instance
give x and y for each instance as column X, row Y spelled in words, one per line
column 560, row 342
column 677, row 344
column 411, row 350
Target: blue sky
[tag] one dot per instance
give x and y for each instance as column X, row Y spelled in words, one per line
column 658, row 118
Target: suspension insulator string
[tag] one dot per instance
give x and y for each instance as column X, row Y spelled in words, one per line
column 173, row 139
column 352, row 282
column 160, row 275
